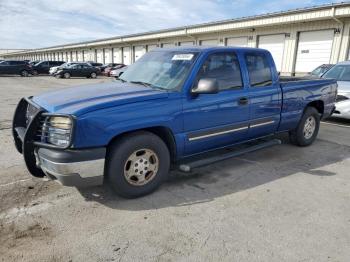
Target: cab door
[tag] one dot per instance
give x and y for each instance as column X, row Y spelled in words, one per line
column 265, row 95
column 217, row 120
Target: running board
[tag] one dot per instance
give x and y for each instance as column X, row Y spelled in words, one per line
column 210, row 160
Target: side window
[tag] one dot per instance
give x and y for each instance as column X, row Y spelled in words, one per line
column 224, row 67
column 259, row 70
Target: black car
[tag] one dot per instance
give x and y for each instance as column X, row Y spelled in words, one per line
column 82, row 70
column 15, row 67
column 43, row 67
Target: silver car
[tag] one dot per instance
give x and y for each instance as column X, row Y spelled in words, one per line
column 341, row 72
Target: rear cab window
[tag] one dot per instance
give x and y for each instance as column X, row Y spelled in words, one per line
column 259, row 69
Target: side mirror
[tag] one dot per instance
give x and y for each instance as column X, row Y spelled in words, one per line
column 206, row 86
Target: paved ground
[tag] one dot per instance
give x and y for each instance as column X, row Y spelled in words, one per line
column 280, row 204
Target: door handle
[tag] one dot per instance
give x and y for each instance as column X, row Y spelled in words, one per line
column 243, row 101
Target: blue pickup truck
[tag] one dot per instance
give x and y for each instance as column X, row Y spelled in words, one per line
column 171, row 105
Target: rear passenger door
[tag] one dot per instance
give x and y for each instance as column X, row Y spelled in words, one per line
column 221, row 119
column 264, row 94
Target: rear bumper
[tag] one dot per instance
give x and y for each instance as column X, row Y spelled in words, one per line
column 77, row 168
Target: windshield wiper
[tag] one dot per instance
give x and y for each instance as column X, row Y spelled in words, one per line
column 141, row 83
column 122, row 80
column 148, row 85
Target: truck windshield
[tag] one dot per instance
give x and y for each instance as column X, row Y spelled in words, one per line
column 161, row 69
column 339, row 73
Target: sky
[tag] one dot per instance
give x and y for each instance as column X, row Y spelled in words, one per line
column 43, row 23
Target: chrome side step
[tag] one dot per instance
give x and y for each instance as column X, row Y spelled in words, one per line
column 210, row 160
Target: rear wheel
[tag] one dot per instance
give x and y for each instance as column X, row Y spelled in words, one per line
column 35, row 73
column 93, row 75
column 24, row 73
column 66, row 75
column 137, row 164
column 307, row 130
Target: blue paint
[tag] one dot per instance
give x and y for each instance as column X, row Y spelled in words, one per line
column 103, row 111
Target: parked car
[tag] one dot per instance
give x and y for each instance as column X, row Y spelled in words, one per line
column 107, row 70
column 43, row 67
column 54, row 69
column 96, row 64
column 103, row 67
column 14, row 67
column 341, row 73
column 118, row 72
column 169, row 105
column 320, row 70
column 77, row 70
column 33, row 62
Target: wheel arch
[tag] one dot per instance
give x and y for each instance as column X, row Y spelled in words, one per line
column 318, row 105
column 162, row 132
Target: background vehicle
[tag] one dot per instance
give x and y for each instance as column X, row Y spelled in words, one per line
column 320, row 70
column 118, row 72
column 94, row 64
column 107, row 70
column 43, row 67
column 168, row 106
column 77, row 70
column 33, row 62
column 103, row 67
column 54, row 69
column 341, row 73
column 14, row 67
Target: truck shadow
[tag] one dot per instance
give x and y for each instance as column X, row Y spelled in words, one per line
column 231, row 176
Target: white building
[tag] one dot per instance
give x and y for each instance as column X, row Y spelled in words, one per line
column 299, row 40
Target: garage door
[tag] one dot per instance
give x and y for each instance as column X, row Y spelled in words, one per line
column 167, row 45
column 99, row 56
column 80, row 56
column 237, row 41
column 138, row 52
column 150, row 47
column 209, row 42
column 108, row 55
column 274, row 44
column 74, row 56
column 117, row 55
column 314, row 49
column 86, row 55
column 127, row 55
column 187, row 43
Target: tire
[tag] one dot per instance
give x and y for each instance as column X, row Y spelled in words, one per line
column 24, row 73
column 35, row 73
column 58, row 76
column 66, row 75
column 132, row 155
column 307, row 130
column 93, row 75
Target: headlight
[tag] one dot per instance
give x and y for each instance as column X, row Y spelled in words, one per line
column 58, row 130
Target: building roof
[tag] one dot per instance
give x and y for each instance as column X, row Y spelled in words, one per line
column 289, row 16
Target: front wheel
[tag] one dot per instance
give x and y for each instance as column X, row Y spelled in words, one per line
column 24, row 73
column 137, row 164
column 66, row 75
column 307, row 130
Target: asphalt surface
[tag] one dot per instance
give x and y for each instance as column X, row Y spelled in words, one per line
column 282, row 203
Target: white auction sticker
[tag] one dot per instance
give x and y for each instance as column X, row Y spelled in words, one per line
column 182, row 57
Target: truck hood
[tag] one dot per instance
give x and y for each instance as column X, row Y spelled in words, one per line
column 86, row 98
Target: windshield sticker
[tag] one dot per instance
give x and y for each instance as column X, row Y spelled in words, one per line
column 182, row 57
